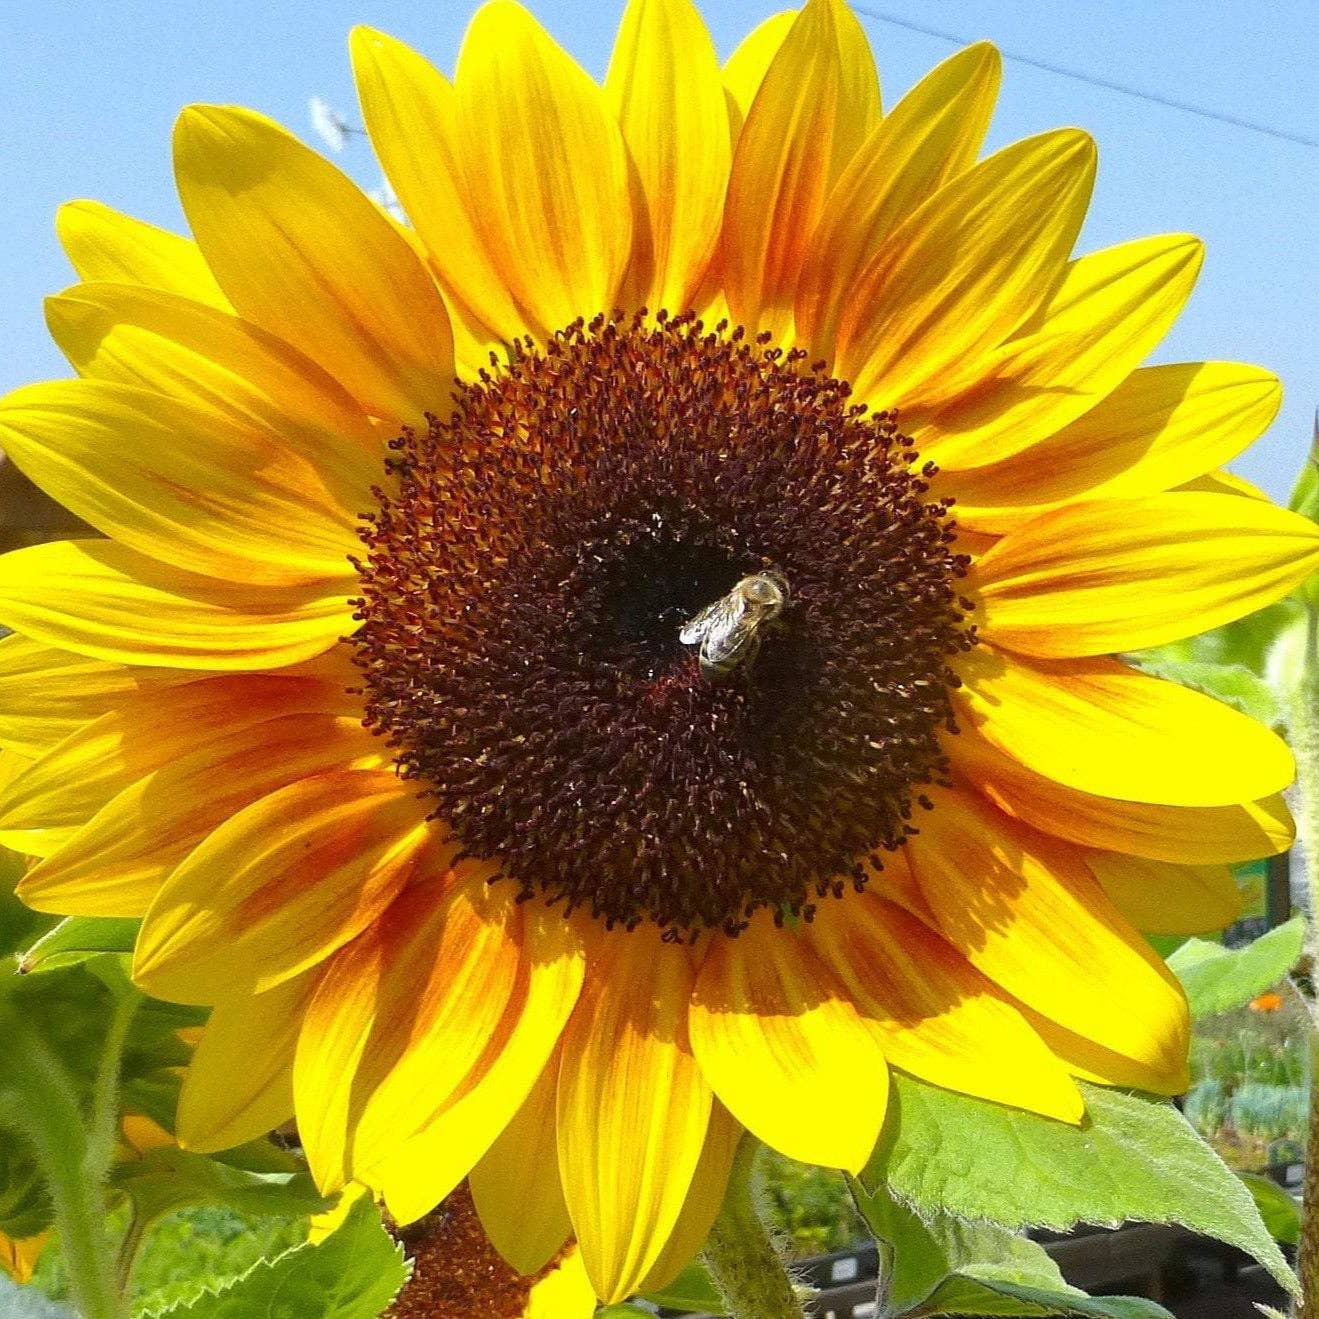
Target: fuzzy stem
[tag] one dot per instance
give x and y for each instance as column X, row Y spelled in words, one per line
column 740, row 1255
column 1303, row 721
column 44, row 1106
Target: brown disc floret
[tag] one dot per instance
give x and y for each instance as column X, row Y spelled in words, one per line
column 532, row 565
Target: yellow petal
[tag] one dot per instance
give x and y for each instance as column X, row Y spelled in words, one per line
column 1123, row 574
column 1223, row 482
column 1108, row 311
column 19, row 1255
column 1162, row 427
column 545, row 167
column 302, row 252
column 932, row 1013
column 115, row 864
column 1106, row 729
column 704, row 1199
column 516, row 1186
column 1027, row 913
column 160, row 341
column 777, row 1037
column 108, row 602
column 457, row 1130
column 962, row 273
column 281, row 885
column 47, row 693
column 104, row 244
column 1184, row 835
column 181, row 483
column 565, row 1292
column 929, row 137
column 239, row 1084
column 1088, row 1061
column 633, row 1107
column 665, row 89
column 74, row 779
column 411, row 114
column 817, row 103
column 1160, row 898
column 746, row 67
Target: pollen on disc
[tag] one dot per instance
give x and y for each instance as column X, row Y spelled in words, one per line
column 526, row 579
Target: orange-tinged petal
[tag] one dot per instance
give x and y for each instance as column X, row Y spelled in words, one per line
column 778, row 1037
column 19, row 1255
column 704, row 1199
column 665, row 89
column 1026, row 912
column 47, row 693
column 1162, row 427
column 411, row 114
column 104, row 244
column 1160, row 898
column 108, row 602
column 929, row 137
column 545, row 167
column 239, row 1084
column 817, row 103
column 115, row 864
column 633, row 1107
column 1184, row 835
column 155, row 340
column 302, row 252
column 1123, row 574
column 415, row 1174
column 932, row 1013
column 74, row 779
column 1106, row 729
column 746, row 67
column 516, row 1187
column 281, row 885
column 1108, row 311
column 185, row 485
column 966, row 270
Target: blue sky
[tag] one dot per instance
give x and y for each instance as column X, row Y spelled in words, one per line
column 88, row 93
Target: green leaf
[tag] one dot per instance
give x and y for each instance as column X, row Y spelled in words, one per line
column 970, row 1296
column 77, row 938
column 353, row 1274
column 1280, row 1212
column 1305, row 493
column 692, row 1291
column 168, row 1178
column 1132, row 1157
column 1233, row 684
column 1218, row 979
column 927, row 1249
column 19, row 925
column 621, row 1312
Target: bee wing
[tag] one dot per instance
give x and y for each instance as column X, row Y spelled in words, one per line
column 698, row 628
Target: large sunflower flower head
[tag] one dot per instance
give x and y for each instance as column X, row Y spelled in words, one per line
column 625, row 657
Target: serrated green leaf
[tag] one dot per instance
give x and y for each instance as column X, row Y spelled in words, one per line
column 166, row 1179
column 927, row 1249
column 353, row 1274
column 1218, row 979
column 692, row 1291
column 969, row 1296
column 77, row 938
column 1132, row 1158
column 1280, row 1212
column 1233, row 684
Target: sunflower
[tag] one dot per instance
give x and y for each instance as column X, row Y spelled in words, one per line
column 627, row 656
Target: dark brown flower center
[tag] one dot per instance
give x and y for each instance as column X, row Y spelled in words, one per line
column 540, row 556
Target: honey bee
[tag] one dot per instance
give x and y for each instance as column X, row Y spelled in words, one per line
column 730, row 630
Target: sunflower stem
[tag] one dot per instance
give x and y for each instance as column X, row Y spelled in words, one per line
column 38, row 1098
column 1303, row 725
column 740, row 1254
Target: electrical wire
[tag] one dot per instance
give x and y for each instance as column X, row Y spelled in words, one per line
column 1061, row 71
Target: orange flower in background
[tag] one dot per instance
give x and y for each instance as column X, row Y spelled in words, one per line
column 698, row 709
column 1265, row 1003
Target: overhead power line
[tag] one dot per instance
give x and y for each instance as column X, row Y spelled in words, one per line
column 1061, row 71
